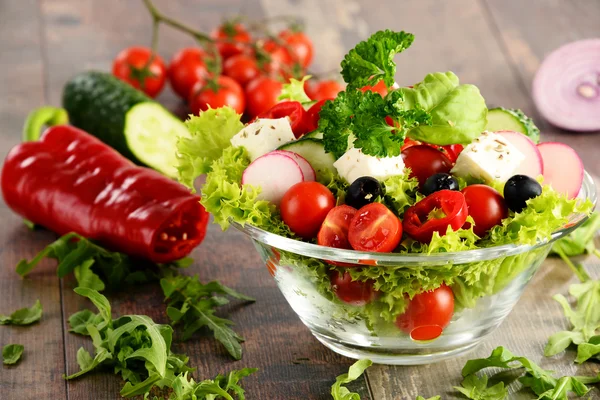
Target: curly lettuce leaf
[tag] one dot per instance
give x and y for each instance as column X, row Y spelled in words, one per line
column 372, row 60
column 294, row 91
column 473, row 387
column 339, row 392
column 400, row 192
column 210, row 134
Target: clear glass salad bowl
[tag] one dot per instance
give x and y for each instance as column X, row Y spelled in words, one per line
column 301, row 272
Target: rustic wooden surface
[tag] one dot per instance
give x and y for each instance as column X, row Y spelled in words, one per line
column 495, row 45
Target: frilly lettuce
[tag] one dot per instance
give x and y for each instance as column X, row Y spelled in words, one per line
column 210, row 133
column 400, row 192
column 294, row 91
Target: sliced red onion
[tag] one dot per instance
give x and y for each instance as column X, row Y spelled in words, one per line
column 566, row 87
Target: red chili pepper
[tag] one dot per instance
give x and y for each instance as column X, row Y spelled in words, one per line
column 451, row 151
column 299, row 120
column 313, row 114
column 420, row 225
column 69, row 181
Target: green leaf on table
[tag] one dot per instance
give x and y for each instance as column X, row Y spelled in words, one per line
column 100, row 301
column 194, row 304
column 11, row 353
column 81, row 319
column 564, row 386
column 430, row 398
column 587, row 350
column 477, row 389
column 581, row 240
column 87, row 278
column 339, row 392
column 23, row 316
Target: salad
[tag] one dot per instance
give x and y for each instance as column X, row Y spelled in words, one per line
column 380, row 168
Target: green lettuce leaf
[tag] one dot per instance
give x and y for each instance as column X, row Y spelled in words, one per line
column 476, row 388
column 294, row 90
column 210, row 134
column 400, row 192
column 581, row 240
column 339, row 392
column 23, row 316
column 11, row 353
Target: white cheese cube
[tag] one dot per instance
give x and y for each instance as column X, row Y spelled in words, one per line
column 489, row 157
column 264, row 135
column 354, row 164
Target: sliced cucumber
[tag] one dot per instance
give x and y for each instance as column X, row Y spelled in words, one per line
column 313, row 135
column 151, row 133
column 504, row 119
column 314, row 152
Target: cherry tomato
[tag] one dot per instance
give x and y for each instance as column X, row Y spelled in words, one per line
column 487, row 207
column 378, row 88
column 229, row 93
column 232, row 38
column 427, row 314
column 186, row 68
column 129, row 67
column 241, row 67
column 323, row 90
column 334, row 231
column 298, row 46
column 279, row 59
column 304, row 207
column 425, row 161
column 375, row 228
column 261, row 95
column 313, row 114
column 357, row 293
column 299, row 120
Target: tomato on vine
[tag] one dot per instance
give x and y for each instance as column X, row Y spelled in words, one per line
column 226, row 93
column 141, row 69
column 323, row 90
column 232, row 38
column 261, row 94
column 242, row 68
column 186, row 68
column 298, row 47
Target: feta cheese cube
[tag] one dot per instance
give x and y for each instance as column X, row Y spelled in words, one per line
column 264, row 135
column 354, row 164
column 489, row 157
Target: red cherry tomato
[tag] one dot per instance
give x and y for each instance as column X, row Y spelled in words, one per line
column 261, row 95
column 129, row 64
column 378, row 88
column 425, row 161
column 375, row 228
column 323, row 90
column 334, row 231
column 486, row 206
column 186, row 68
column 229, row 93
column 420, row 225
column 451, row 151
column 298, row 46
column 242, row 68
column 357, row 293
column 232, row 38
column 304, row 207
column 299, row 120
column 427, row 314
column 313, row 114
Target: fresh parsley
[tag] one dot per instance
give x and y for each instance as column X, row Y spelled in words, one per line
column 23, row 316
column 194, row 304
column 339, row 392
column 11, row 353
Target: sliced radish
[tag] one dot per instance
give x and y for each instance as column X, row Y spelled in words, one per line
column 307, row 170
column 533, row 165
column 563, row 169
column 274, row 173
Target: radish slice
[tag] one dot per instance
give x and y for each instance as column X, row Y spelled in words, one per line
column 307, row 169
column 274, row 173
column 533, row 164
column 566, row 88
column 563, row 169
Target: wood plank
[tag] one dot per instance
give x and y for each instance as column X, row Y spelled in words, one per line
column 22, row 88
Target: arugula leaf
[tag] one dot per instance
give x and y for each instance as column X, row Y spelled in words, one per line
column 23, row 316
column 581, row 240
column 294, row 91
column 477, row 389
column 81, row 319
column 373, row 59
column 11, row 353
column 87, row 278
column 194, row 304
column 431, row 398
column 210, row 134
column 585, row 351
column 564, row 386
column 221, row 387
column 339, row 392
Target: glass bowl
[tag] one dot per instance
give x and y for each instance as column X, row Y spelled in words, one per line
column 482, row 299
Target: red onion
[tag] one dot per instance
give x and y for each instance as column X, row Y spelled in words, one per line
column 566, row 87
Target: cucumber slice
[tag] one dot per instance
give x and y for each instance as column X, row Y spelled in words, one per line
column 313, row 135
column 504, row 119
column 314, row 152
column 151, row 133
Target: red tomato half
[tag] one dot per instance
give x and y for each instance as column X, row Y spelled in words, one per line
column 486, row 206
column 298, row 46
column 242, row 68
column 304, row 207
column 425, row 161
column 352, row 292
column 229, row 93
column 313, row 114
column 378, row 88
column 232, row 39
column 261, row 95
column 187, row 67
column 323, row 90
column 334, row 231
column 427, row 314
column 129, row 64
column 375, row 228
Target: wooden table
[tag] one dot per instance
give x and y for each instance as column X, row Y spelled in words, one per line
column 495, row 45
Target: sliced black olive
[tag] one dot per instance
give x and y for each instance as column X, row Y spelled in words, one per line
column 363, row 191
column 440, row 181
column 520, row 188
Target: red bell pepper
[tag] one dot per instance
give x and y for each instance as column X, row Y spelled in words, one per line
column 299, row 120
column 420, row 224
column 451, row 151
column 313, row 114
column 69, row 181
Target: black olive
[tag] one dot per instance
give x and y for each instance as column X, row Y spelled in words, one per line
column 437, row 182
column 363, row 191
column 520, row 188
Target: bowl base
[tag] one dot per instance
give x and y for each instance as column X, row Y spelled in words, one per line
column 391, row 358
